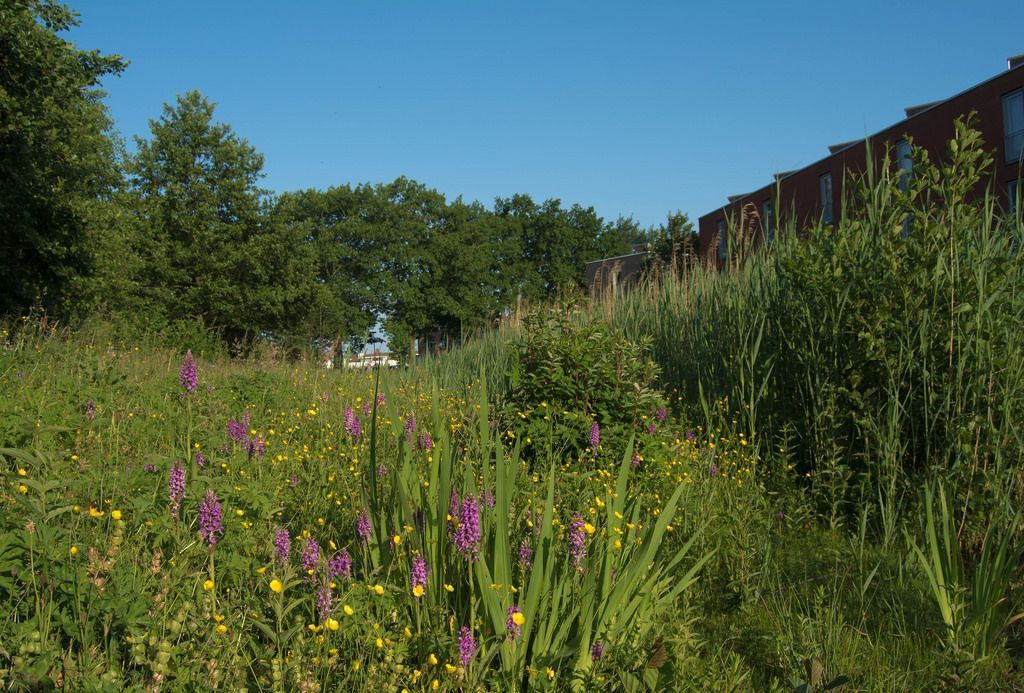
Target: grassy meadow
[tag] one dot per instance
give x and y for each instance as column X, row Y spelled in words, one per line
column 801, row 474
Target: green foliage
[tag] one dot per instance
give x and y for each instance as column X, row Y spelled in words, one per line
column 875, row 353
column 567, row 374
column 975, row 604
column 56, row 155
column 107, row 585
column 206, row 251
column 556, row 243
column 672, row 246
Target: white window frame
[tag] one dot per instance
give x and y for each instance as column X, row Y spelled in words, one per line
column 825, row 195
column 768, row 221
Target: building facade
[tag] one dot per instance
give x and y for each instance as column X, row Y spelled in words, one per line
column 612, row 274
column 813, row 193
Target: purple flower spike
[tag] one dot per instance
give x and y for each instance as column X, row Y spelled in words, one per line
column 513, row 629
column 418, row 576
column 363, row 526
column 352, row 425
column 310, row 557
column 237, row 431
column 187, row 375
column 577, row 541
column 324, row 598
column 176, row 488
column 597, row 651
column 340, row 565
column 525, row 554
column 211, row 522
column 595, row 437
column 661, row 414
column 282, row 545
column 467, row 535
column 467, row 646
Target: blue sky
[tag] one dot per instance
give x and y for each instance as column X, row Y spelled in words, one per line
column 637, row 109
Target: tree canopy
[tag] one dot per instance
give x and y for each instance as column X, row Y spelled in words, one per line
column 56, row 154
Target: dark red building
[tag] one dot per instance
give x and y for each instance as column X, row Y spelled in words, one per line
column 814, row 192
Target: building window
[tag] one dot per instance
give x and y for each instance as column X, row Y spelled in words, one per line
column 904, row 162
column 1013, row 125
column 1014, row 192
column 825, row 189
column 768, row 221
column 723, row 241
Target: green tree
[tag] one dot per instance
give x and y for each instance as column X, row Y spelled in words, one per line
column 332, row 234
column 557, row 243
column 209, row 253
column 673, row 245
column 56, row 154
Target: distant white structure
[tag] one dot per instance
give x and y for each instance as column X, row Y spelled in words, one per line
column 375, row 358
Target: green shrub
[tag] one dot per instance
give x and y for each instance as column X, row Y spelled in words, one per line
column 568, row 375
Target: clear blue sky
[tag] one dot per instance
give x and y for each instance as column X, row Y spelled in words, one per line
column 634, row 108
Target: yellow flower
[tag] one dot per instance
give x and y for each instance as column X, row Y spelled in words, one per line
column 21, row 471
column 332, row 623
column 74, row 550
column 23, row 489
column 116, row 514
column 276, row 586
column 397, row 539
column 417, row 591
column 432, row 659
column 93, row 512
column 218, row 618
column 518, row 618
column 589, row 528
column 378, row 590
column 407, row 632
column 239, row 512
column 450, row 668
column 262, row 569
column 208, row 585
column 348, row 610
column 435, row 684
column 448, row 588
column 222, row 629
column 550, row 672
column 379, row 643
